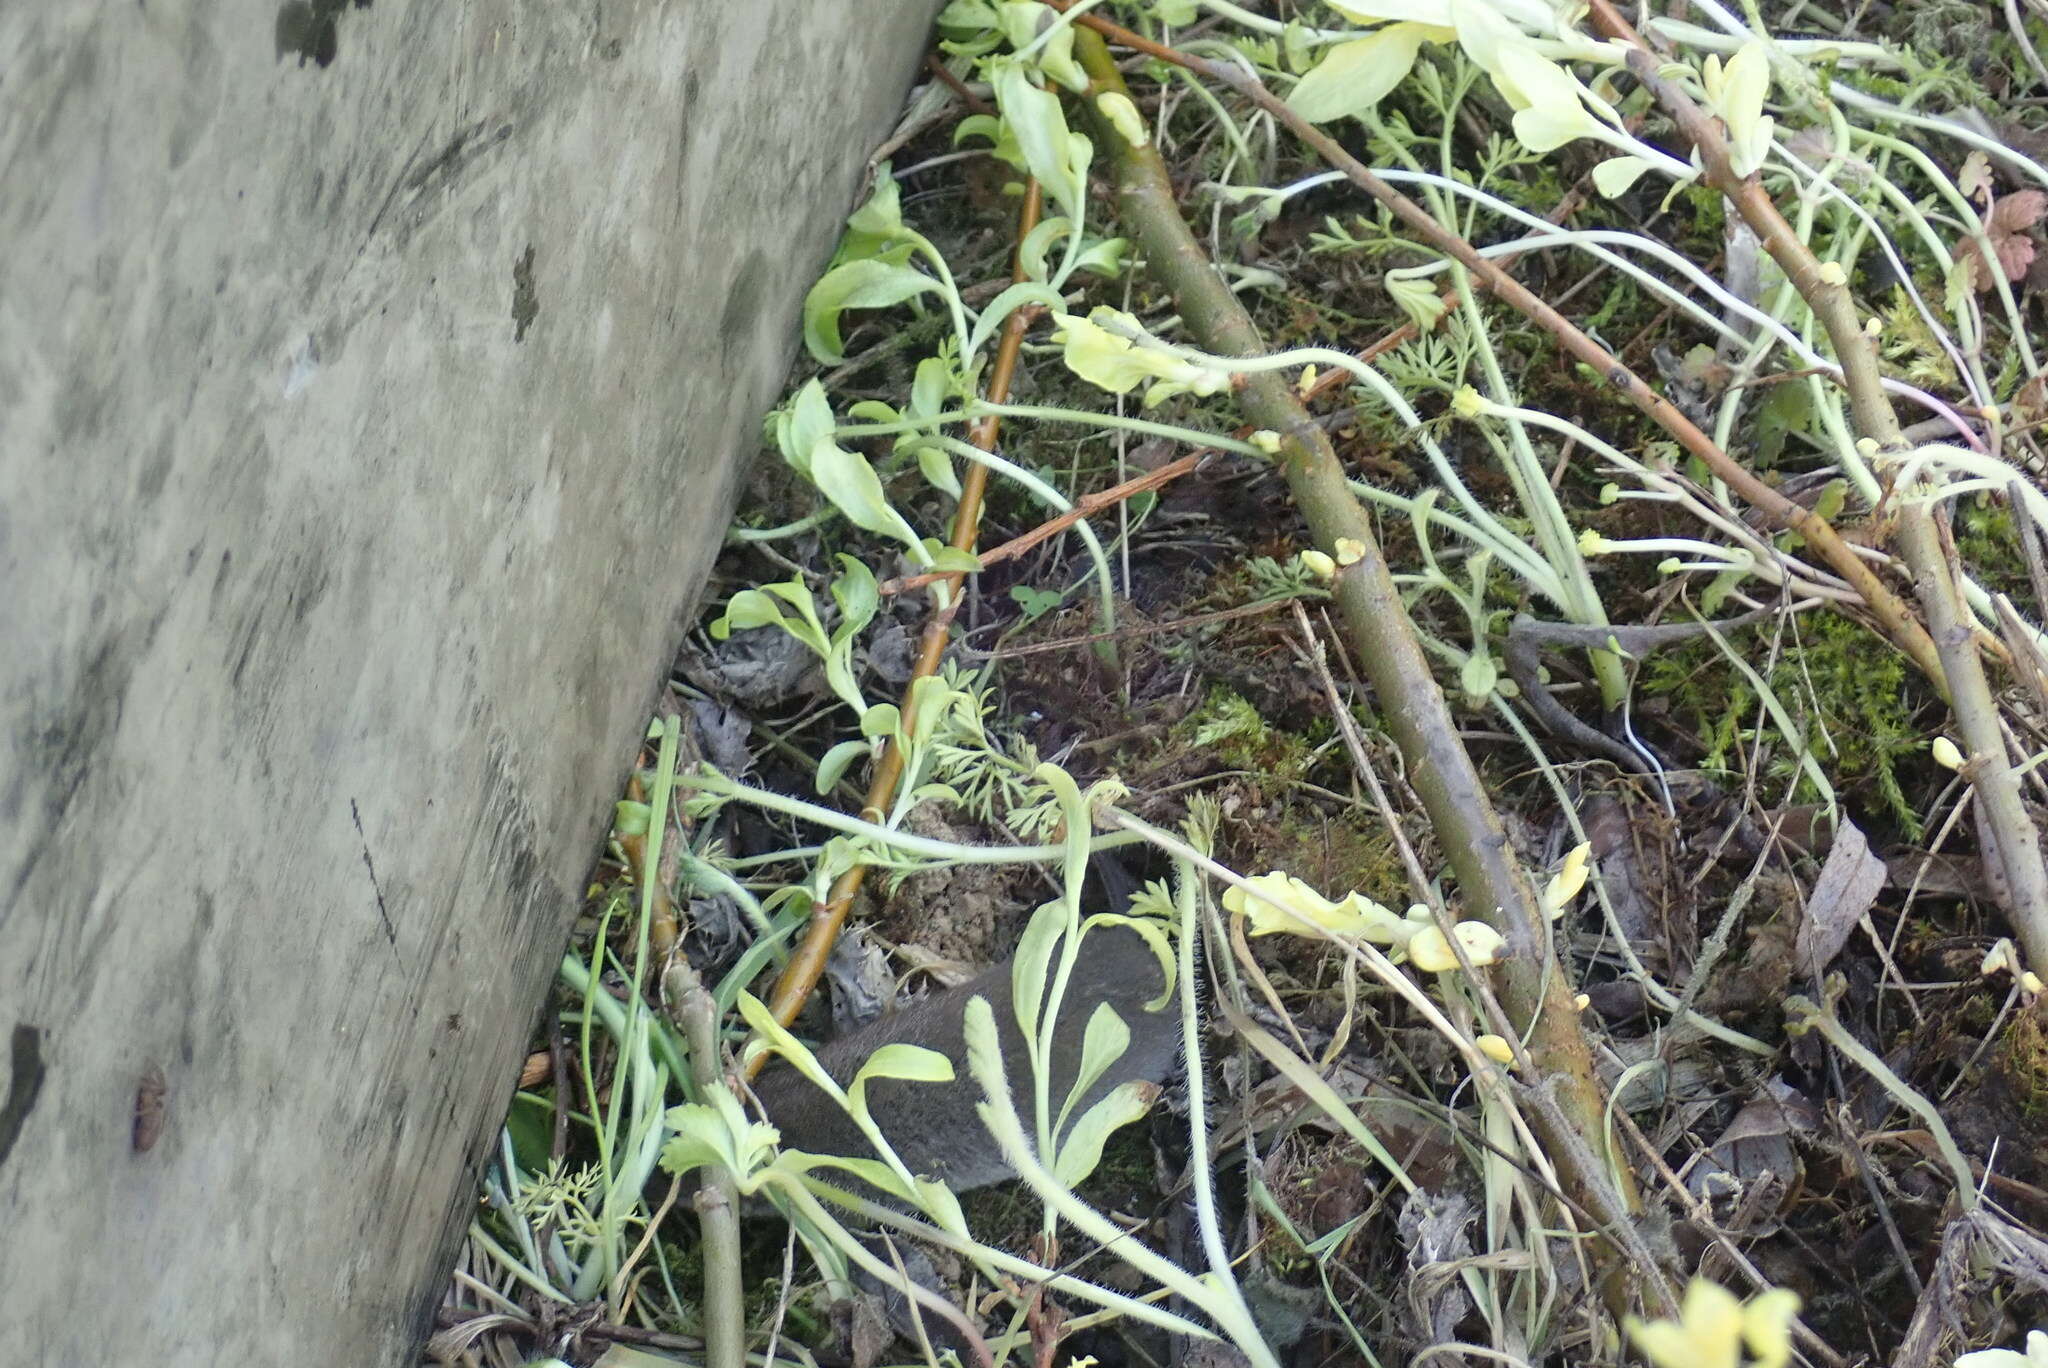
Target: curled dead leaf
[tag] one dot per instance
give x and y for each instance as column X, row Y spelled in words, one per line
column 2006, row 227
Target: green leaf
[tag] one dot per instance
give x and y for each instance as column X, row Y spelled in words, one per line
column 858, row 597
column 938, row 1199
column 912, row 1063
column 1036, row 603
column 1056, row 59
column 1005, row 148
column 1354, row 77
column 806, row 422
column 1478, row 676
column 1737, row 93
column 874, row 411
column 630, row 819
column 1032, row 250
column 1020, row 20
column 846, row 478
column 1785, row 410
column 1112, row 350
column 882, row 216
column 1405, row 11
column 1008, row 302
column 1034, row 955
column 1082, row 1150
column 931, row 699
column 1118, row 111
column 954, row 560
column 936, row 793
column 530, row 1125
column 874, row 1172
column 967, row 16
column 1102, row 1044
column 777, row 1039
column 1417, row 297
column 881, row 722
column 1153, row 930
column 1295, row 48
column 1718, row 589
column 1834, row 496
column 1023, row 21
column 936, row 464
column 869, row 284
column 1614, row 176
column 744, row 611
column 836, row 761
column 1034, row 116
column 716, row 1131
column 928, row 389
column 1104, row 258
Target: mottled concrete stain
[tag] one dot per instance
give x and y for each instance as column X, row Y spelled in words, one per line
column 525, row 299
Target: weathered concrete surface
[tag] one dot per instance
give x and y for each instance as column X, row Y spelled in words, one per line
column 365, row 430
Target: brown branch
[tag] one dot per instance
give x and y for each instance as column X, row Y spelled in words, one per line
column 953, row 83
column 1898, row 621
column 807, row 963
column 1567, row 205
column 1959, row 668
column 1493, row 886
column 1087, row 506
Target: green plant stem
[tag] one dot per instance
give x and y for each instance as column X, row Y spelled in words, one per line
column 794, row 529
column 799, row 1195
column 1222, row 1301
column 717, row 1200
column 1187, row 900
column 1531, row 984
column 953, row 852
column 1803, row 1014
column 1488, row 531
column 1539, row 501
column 1899, row 623
column 980, row 410
column 1105, row 581
column 1682, row 1015
column 1959, row 667
column 807, row 965
column 514, row 1266
column 602, row 1007
column 805, row 1193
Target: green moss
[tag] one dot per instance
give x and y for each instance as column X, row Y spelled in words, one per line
column 1989, row 545
column 2023, row 1060
column 1232, row 730
column 1851, row 697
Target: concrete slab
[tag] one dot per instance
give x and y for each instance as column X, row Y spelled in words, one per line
column 374, row 384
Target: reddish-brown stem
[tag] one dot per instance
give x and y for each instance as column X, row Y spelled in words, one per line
column 1493, row 886
column 1952, row 634
column 807, row 963
column 957, row 86
column 1087, row 506
column 1897, row 620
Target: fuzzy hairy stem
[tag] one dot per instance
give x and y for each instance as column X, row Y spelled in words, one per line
column 1919, row 541
column 1531, row 984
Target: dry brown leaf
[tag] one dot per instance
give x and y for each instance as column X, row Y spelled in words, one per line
column 1849, row 882
column 2006, row 227
column 1974, row 180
